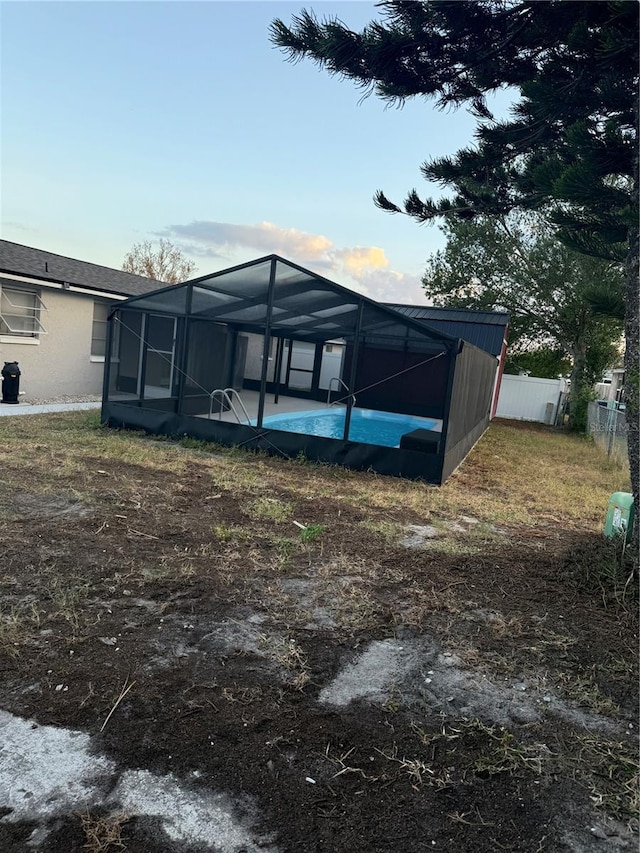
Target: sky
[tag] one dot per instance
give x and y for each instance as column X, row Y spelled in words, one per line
column 129, row 121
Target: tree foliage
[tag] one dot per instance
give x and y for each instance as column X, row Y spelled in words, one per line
column 163, row 262
column 572, row 135
column 570, row 143
column 516, row 264
column 547, row 362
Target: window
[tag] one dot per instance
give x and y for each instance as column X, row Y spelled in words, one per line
column 99, row 333
column 99, row 329
column 20, row 312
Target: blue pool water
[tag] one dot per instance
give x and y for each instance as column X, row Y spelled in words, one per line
column 367, row 425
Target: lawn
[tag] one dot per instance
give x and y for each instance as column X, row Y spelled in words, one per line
column 211, row 650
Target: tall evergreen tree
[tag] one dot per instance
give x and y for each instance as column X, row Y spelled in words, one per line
column 571, row 141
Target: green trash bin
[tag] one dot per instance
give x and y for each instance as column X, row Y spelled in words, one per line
column 620, row 516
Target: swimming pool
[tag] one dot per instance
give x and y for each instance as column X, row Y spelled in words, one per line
column 367, row 425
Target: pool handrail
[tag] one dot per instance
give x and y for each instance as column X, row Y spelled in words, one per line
column 344, row 385
column 225, row 395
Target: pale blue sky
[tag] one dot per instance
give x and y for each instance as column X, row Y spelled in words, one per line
column 123, row 121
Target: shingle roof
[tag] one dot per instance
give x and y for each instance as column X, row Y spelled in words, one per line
column 36, row 263
column 484, row 329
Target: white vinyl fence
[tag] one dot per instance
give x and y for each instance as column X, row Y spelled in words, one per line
column 527, row 398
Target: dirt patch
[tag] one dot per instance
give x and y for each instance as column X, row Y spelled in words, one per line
column 25, row 506
column 185, row 669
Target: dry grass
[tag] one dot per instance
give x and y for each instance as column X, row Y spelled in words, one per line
column 561, row 479
column 522, row 480
column 416, row 769
column 18, row 624
column 103, row 833
column 610, row 770
column 67, row 598
column 268, row 509
column 355, row 608
column 585, row 692
column 388, row 531
column 48, row 440
column 288, row 655
column 502, row 627
column 255, row 524
column 483, row 749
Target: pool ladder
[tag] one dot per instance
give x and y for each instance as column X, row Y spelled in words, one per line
column 225, row 395
column 344, row 385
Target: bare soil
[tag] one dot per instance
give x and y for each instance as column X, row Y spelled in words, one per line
column 240, row 653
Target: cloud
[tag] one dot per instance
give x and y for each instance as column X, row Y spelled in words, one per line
column 360, row 260
column 266, row 237
column 391, row 286
column 366, row 268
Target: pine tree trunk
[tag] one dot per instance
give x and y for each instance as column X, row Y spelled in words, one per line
column 632, row 372
column 577, row 388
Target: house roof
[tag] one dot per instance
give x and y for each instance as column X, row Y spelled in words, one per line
column 37, row 263
column 304, row 305
column 484, row 329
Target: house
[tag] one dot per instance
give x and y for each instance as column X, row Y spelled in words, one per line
column 272, row 356
column 485, row 329
column 53, row 319
column 612, row 385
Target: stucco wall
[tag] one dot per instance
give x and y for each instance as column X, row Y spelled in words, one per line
column 331, row 362
column 255, row 349
column 59, row 363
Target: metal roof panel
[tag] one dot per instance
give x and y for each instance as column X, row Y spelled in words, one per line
column 460, row 315
column 484, row 329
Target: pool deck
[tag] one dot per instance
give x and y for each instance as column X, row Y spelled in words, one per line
column 284, row 406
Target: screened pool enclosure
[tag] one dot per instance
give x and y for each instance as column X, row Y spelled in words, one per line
column 271, row 356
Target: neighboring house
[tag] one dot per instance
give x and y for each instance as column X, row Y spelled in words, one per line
column 487, row 330
column 53, row 319
column 611, row 387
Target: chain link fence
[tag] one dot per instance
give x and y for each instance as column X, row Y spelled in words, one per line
column 608, row 426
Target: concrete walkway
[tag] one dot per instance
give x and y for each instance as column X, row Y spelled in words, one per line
column 44, row 408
